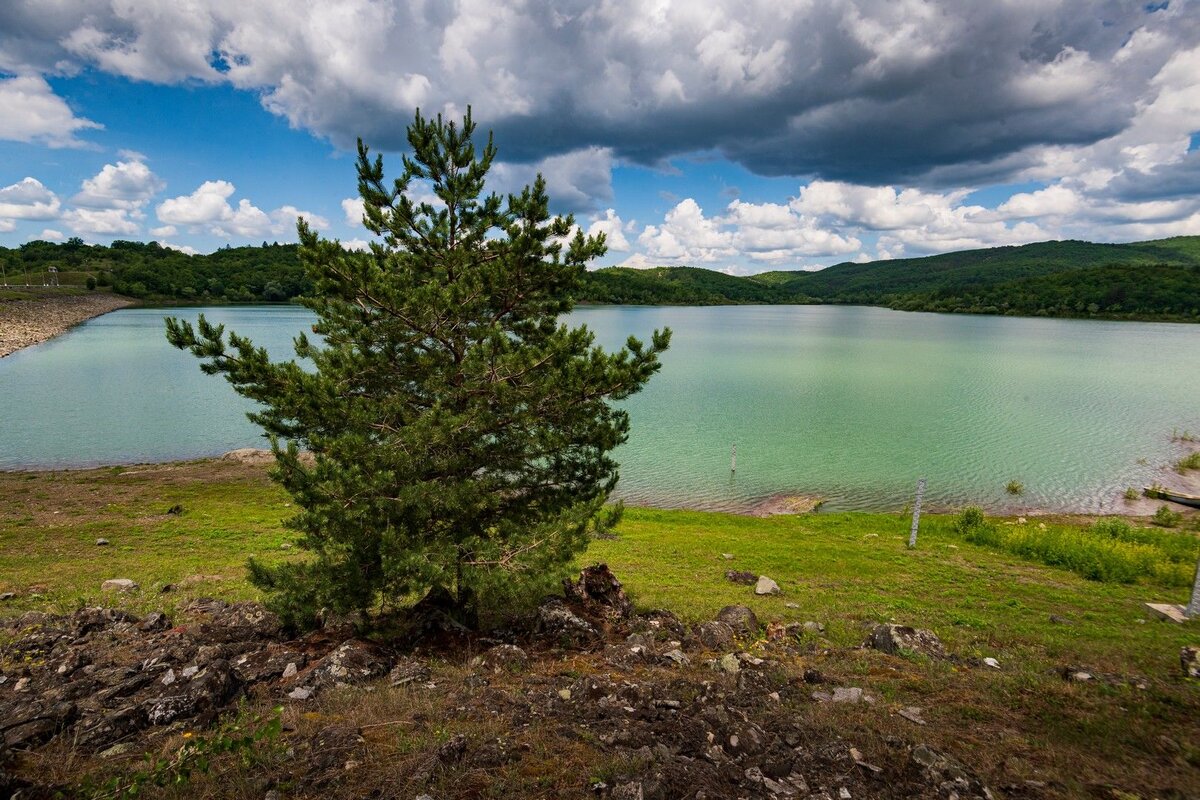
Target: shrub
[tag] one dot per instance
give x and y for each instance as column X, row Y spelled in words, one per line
column 1191, row 461
column 91, row 283
column 1015, row 487
column 1167, row 518
column 1132, row 493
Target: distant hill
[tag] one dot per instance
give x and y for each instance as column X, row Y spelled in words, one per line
column 1145, row 280
column 1142, row 280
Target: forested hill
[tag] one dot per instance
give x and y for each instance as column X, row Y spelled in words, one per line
column 1143, row 280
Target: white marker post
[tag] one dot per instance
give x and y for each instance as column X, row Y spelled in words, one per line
column 1193, row 608
column 912, row 536
column 733, row 459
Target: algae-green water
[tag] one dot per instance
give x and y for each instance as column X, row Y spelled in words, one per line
column 849, row 403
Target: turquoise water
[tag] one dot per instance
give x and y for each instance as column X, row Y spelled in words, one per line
column 853, row 404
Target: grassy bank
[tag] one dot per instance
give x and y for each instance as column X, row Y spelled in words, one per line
column 1133, row 729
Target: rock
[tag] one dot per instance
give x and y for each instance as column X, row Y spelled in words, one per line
column 677, row 657
column 1189, row 658
column 991, row 662
column 502, row 658
column 154, row 621
column 118, row 585
column 714, row 635
column 895, row 639
column 300, row 693
column 599, row 592
column 912, row 714
column 564, row 694
column 408, row 670
column 289, row 671
column 813, row 627
column 766, row 586
column 728, row 664
column 210, row 689
column 1055, row 619
column 791, row 605
column 741, row 619
column 102, row 542
column 744, row 578
column 7, row 596
column 727, row 556
column 1168, row 612
column 562, row 624
column 352, row 662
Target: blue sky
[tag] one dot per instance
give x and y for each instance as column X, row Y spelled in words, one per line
column 735, row 136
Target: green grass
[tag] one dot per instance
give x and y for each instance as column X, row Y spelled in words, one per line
column 1191, row 461
column 985, row 595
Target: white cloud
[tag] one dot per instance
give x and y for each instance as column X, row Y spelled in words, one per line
column 126, row 184
column 7, row 226
column 353, row 208
column 208, row 208
column 612, row 228
column 51, row 235
column 183, row 248
column 164, row 231
column 575, row 182
column 30, row 111
column 28, row 199
column 687, row 236
column 102, row 221
column 359, row 245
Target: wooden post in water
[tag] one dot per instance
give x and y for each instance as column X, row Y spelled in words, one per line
column 912, row 536
column 1193, row 608
column 733, row 459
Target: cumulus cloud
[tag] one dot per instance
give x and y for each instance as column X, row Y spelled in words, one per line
column 30, row 111
column 51, row 235
column 28, row 199
column 613, row 229
column 101, row 221
column 208, row 208
column 126, row 184
column 352, row 207
column 869, row 91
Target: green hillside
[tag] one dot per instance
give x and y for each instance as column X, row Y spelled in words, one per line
column 1142, row 280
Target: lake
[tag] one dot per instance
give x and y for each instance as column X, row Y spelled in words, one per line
column 849, row 403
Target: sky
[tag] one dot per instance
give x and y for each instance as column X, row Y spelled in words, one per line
column 740, row 136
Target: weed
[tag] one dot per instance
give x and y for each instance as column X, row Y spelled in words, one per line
column 1132, row 494
column 1166, row 518
column 1015, row 487
column 1191, row 461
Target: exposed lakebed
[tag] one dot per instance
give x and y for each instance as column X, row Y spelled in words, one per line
column 848, row 403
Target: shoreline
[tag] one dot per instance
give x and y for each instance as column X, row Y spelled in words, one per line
column 772, row 505
column 24, row 323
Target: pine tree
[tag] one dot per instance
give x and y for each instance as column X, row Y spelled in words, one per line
column 461, row 433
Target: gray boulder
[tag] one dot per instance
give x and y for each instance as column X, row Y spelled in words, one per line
column 740, row 618
column 895, row 639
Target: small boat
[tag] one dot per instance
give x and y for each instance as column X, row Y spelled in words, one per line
column 1159, row 493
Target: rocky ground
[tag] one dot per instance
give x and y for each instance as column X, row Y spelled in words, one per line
column 27, row 322
column 627, row 705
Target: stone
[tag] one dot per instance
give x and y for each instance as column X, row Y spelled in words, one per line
column 628, row 791
column 677, row 657
column 564, row 694
column 119, row 585
column 289, row 671
column 742, row 577
column 600, row 593
column 895, row 639
column 727, row 556
column 714, row 635
column 741, row 619
column 300, row 693
column 728, row 664
column 1055, row 619
column 1167, row 611
column 502, row 658
column 912, row 714
column 102, row 542
column 558, row 622
column 154, row 621
column 1189, row 658
column 843, row 694
column 766, row 586
column 7, row 596
column 351, row 662
column 408, row 670
column 991, row 662
column 209, row 689
column 813, row 627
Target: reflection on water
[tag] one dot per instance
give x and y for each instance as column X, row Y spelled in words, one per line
column 853, row 404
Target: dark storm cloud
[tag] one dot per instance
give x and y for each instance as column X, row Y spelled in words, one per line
column 874, row 91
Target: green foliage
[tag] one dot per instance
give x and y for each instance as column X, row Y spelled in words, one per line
column 1191, row 461
column 91, row 283
column 1132, row 494
column 1015, row 487
column 1166, row 518
column 1110, row 550
column 239, row 738
column 461, row 435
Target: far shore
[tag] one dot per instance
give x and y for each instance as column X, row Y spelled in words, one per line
column 43, row 316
